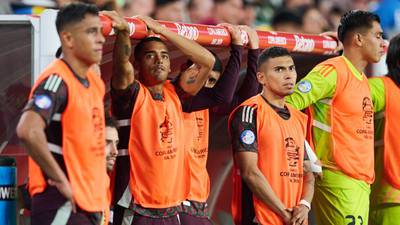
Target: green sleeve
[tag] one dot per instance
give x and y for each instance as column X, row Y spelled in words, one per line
column 377, row 88
column 320, row 83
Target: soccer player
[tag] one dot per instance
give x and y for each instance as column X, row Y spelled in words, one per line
column 62, row 126
column 268, row 141
column 195, row 210
column 342, row 117
column 385, row 193
column 159, row 179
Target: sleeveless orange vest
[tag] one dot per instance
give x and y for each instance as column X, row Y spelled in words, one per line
column 352, row 123
column 196, row 145
column 159, row 170
column 280, row 158
column 391, row 153
column 83, row 140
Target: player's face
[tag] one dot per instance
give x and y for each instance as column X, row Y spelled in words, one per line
column 374, row 45
column 278, row 75
column 86, row 39
column 111, row 147
column 154, row 63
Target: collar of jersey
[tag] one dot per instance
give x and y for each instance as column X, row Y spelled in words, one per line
column 353, row 69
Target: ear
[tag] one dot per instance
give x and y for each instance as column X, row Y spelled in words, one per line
column 66, row 38
column 358, row 39
column 261, row 77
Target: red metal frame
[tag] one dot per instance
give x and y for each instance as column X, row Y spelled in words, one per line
column 208, row 35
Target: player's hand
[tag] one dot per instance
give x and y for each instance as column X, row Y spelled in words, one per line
column 307, row 166
column 287, row 216
column 64, row 187
column 151, row 24
column 300, row 215
column 319, row 174
column 334, row 35
column 118, row 22
column 253, row 36
column 235, row 33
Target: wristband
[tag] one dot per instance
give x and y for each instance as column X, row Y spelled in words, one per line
column 305, row 203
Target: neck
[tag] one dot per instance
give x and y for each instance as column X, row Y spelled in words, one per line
column 79, row 67
column 156, row 89
column 356, row 59
column 274, row 99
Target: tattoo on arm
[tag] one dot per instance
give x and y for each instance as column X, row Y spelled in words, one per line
column 191, row 80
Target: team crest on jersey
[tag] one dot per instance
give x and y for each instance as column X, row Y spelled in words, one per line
column 368, row 109
column 247, row 137
column 166, row 131
column 292, row 151
column 43, row 101
column 304, row 86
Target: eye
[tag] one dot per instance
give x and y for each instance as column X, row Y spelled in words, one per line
column 212, row 80
column 149, row 56
column 91, row 31
column 165, row 56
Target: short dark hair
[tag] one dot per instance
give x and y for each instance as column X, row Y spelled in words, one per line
column 393, row 59
column 355, row 20
column 74, row 13
column 139, row 46
column 272, row 52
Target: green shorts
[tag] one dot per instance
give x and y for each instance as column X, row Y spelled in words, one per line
column 385, row 214
column 341, row 200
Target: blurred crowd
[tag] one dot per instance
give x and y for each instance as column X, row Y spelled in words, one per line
column 305, row 16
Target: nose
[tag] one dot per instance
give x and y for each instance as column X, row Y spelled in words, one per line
column 158, row 59
column 113, row 150
column 290, row 75
column 384, row 43
column 100, row 38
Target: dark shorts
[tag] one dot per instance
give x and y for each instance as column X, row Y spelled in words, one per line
column 194, row 220
column 143, row 220
column 79, row 218
column 118, row 213
column 47, row 204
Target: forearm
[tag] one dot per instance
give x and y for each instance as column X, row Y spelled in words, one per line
column 188, row 81
column 36, row 145
column 123, row 74
column 225, row 87
column 203, row 100
column 250, row 85
column 308, row 187
column 193, row 50
column 261, row 188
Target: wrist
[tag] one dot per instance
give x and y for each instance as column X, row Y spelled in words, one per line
column 305, row 203
column 123, row 32
column 254, row 45
column 237, row 43
column 284, row 212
